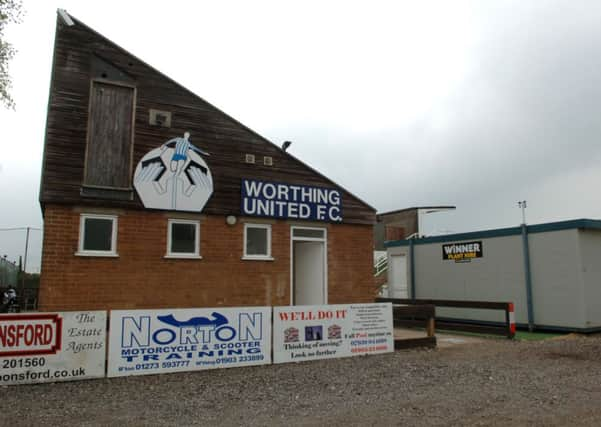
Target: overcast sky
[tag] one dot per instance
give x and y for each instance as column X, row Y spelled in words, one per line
column 474, row 104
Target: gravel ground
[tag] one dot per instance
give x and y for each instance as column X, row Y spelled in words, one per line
column 496, row 382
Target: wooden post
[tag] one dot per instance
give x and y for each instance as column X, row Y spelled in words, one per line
column 430, row 327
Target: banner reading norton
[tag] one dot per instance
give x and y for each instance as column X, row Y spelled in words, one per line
column 327, row 331
column 173, row 340
column 50, row 347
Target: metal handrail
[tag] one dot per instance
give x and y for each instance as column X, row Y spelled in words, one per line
column 380, row 266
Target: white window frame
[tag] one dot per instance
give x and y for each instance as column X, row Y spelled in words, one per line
column 86, row 252
column 186, row 255
column 268, row 256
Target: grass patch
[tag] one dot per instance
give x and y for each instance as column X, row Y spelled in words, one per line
column 536, row 336
column 442, row 332
column 519, row 335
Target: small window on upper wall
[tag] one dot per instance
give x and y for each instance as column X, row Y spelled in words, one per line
column 183, row 239
column 97, row 235
column 257, row 242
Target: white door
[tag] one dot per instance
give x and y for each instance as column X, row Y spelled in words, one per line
column 309, row 273
column 397, row 285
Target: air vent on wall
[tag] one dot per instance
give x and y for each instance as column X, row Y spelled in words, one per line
column 268, row 161
column 250, row 158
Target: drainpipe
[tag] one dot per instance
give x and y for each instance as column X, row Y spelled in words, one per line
column 528, row 277
column 412, row 267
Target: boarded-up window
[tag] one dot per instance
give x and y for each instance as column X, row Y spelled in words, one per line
column 108, row 160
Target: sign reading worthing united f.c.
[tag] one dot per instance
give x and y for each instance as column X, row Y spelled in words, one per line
column 174, row 176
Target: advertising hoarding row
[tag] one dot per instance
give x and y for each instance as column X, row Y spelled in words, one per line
column 303, row 333
column 158, row 341
column 51, row 347
column 67, row 346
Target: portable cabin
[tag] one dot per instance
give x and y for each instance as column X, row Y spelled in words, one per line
column 551, row 272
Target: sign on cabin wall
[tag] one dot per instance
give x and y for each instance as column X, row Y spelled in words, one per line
column 174, row 177
column 462, row 252
column 279, row 200
column 303, row 333
column 159, row 341
column 51, row 347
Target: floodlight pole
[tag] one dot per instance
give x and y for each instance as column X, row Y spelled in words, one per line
column 522, row 204
column 527, row 274
column 22, row 290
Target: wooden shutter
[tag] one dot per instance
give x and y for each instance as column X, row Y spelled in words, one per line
column 110, row 134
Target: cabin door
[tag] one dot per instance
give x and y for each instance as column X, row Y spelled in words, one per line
column 309, row 266
column 397, row 288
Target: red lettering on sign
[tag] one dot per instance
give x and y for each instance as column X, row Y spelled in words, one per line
column 340, row 314
column 30, row 334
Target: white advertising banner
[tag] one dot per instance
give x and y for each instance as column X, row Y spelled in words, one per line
column 327, row 331
column 50, row 347
column 146, row 342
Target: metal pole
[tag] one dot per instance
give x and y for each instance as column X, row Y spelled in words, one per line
column 522, row 204
column 22, row 291
column 528, row 277
column 412, row 267
column 527, row 274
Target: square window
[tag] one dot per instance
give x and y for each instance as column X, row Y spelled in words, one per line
column 183, row 239
column 257, row 241
column 97, row 235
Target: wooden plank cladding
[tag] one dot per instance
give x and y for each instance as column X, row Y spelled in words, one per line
column 82, row 56
column 109, row 145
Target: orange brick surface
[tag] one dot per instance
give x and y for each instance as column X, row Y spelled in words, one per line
column 142, row 278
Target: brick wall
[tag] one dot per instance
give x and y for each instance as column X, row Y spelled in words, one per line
column 142, row 278
column 380, row 280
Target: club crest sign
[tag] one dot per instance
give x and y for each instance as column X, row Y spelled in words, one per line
column 174, row 176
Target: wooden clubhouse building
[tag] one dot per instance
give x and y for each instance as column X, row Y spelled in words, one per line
column 154, row 198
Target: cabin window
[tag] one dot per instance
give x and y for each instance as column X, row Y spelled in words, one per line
column 257, row 242
column 97, row 235
column 110, row 136
column 183, row 239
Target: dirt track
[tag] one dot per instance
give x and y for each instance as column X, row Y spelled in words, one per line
column 496, row 382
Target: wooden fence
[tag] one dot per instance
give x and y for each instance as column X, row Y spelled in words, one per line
column 491, row 328
column 415, row 315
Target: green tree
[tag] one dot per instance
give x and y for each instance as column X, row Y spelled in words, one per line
column 10, row 11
